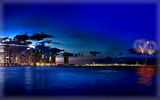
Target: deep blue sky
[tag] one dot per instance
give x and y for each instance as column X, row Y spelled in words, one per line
column 110, row 29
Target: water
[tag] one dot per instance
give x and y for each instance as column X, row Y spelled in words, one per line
column 56, row 81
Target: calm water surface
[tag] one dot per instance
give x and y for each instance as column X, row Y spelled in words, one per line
column 53, row 81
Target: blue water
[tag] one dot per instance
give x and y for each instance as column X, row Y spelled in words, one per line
column 53, row 81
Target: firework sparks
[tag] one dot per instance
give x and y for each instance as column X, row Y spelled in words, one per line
column 139, row 46
column 145, row 47
column 150, row 47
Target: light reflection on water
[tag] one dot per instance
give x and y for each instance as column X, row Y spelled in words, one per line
column 1, row 81
column 146, row 74
column 30, row 81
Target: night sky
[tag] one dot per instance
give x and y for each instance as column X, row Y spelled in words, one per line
column 109, row 29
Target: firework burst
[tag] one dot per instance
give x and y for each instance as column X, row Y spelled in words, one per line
column 145, row 47
column 139, row 46
column 150, row 47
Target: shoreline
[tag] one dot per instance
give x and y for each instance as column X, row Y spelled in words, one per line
column 85, row 65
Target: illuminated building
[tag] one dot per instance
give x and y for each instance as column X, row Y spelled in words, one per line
column 36, row 56
column 5, row 55
column 23, row 58
column 46, row 59
column 28, row 56
column 66, row 60
column 18, row 54
column 2, row 55
column 52, row 58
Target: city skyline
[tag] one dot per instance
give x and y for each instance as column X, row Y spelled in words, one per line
column 79, row 29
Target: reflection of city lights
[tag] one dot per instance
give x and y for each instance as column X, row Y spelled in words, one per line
column 45, row 64
column 146, row 73
column 42, row 64
column 38, row 64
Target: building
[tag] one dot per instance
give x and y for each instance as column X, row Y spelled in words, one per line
column 36, row 56
column 2, row 55
column 28, row 56
column 5, row 55
column 66, row 59
column 18, row 55
column 46, row 59
column 52, row 58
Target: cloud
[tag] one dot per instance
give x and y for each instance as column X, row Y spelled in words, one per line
column 56, row 51
column 78, row 54
column 4, row 39
column 69, row 54
column 35, row 36
column 49, row 42
column 73, row 54
column 132, row 51
column 94, row 53
column 16, row 41
column 40, row 36
column 23, row 37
